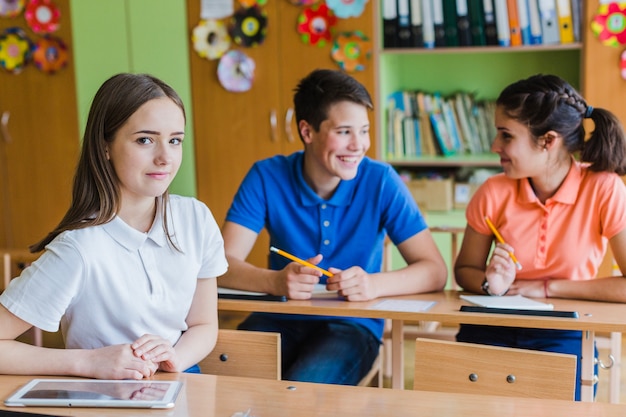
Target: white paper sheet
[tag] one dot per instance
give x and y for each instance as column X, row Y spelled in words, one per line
column 518, row 302
column 403, row 305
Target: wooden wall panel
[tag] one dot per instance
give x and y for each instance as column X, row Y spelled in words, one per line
column 36, row 168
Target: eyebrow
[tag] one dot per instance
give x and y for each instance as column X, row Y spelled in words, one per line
column 154, row 132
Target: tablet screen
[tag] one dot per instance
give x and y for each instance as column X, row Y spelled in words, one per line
column 96, row 393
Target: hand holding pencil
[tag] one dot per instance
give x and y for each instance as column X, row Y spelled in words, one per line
column 501, row 240
column 300, row 261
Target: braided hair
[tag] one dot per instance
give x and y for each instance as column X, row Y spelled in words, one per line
column 547, row 102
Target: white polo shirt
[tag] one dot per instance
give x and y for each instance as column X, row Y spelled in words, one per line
column 110, row 284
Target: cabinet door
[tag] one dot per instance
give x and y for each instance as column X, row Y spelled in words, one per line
column 37, row 165
column 234, row 130
column 602, row 86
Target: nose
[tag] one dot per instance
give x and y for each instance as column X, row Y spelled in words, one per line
column 496, row 146
column 163, row 155
column 359, row 141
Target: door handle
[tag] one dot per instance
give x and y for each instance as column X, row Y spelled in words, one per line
column 288, row 119
column 4, row 126
column 273, row 125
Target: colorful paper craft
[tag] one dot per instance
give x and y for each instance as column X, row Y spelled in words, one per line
column 315, row 24
column 609, row 24
column 15, row 50
column 351, row 50
column 235, row 71
column 210, row 39
column 249, row 26
column 50, row 54
column 250, row 3
column 11, row 8
column 346, row 8
column 304, row 2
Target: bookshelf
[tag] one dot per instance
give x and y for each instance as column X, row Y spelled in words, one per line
column 481, row 70
column 484, row 71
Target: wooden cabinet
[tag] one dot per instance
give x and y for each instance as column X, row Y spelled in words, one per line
column 37, row 165
column 233, row 130
column 602, row 85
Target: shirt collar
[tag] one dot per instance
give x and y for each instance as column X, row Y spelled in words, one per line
column 567, row 192
column 131, row 238
column 341, row 197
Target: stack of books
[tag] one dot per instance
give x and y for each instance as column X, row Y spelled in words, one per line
column 428, row 124
column 458, row 23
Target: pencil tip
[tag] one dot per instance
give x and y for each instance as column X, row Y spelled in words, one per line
column 519, row 266
column 273, row 249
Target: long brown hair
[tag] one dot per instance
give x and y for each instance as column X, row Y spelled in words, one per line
column 96, row 191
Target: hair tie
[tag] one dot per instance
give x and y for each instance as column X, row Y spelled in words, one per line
column 588, row 112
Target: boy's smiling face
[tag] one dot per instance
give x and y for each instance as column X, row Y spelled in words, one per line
column 337, row 149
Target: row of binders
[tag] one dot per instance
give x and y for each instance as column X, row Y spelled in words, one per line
column 428, row 124
column 453, row 23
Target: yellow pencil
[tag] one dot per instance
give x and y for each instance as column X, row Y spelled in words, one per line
column 501, row 240
column 300, row 261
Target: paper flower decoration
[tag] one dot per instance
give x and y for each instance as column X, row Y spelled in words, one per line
column 250, row 3
column 315, row 24
column 11, row 8
column 304, row 2
column 15, row 50
column 346, row 8
column 249, row 26
column 609, row 25
column 50, row 54
column 235, row 71
column 351, row 50
column 622, row 64
column 210, row 39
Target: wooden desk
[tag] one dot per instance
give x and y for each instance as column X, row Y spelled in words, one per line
column 594, row 317
column 222, row 396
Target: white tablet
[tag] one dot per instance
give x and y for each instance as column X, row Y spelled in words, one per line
column 96, row 393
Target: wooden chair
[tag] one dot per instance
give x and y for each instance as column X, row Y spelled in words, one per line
column 244, row 353
column 470, row 368
column 13, row 262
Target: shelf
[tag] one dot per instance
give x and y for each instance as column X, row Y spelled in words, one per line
column 482, row 49
column 485, row 160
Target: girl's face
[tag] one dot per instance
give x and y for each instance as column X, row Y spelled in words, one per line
column 341, row 142
column 146, row 151
column 520, row 155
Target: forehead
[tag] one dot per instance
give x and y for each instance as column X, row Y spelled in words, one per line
column 347, row 113
column 160, row 111
column 503, row 120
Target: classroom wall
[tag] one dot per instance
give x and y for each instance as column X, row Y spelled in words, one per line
column 137, row 36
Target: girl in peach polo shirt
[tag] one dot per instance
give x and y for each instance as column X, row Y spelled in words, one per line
column 557, row 214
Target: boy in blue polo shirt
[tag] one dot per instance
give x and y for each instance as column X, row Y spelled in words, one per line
column 332, row 205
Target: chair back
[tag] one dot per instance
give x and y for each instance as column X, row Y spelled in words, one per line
column 471, row 368
column 244, row 353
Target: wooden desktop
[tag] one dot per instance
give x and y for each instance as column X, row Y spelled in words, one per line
column 593, row 317
column 223, row 396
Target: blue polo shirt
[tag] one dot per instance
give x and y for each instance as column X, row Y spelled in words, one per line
column 348, row 229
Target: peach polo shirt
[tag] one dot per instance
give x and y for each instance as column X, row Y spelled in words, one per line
column 567, row 236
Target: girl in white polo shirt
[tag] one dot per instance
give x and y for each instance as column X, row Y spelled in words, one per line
column 129, row 271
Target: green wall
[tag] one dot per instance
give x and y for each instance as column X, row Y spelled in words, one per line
column 137, row 36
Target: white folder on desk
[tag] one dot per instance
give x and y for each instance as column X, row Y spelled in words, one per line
column 518, row 302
